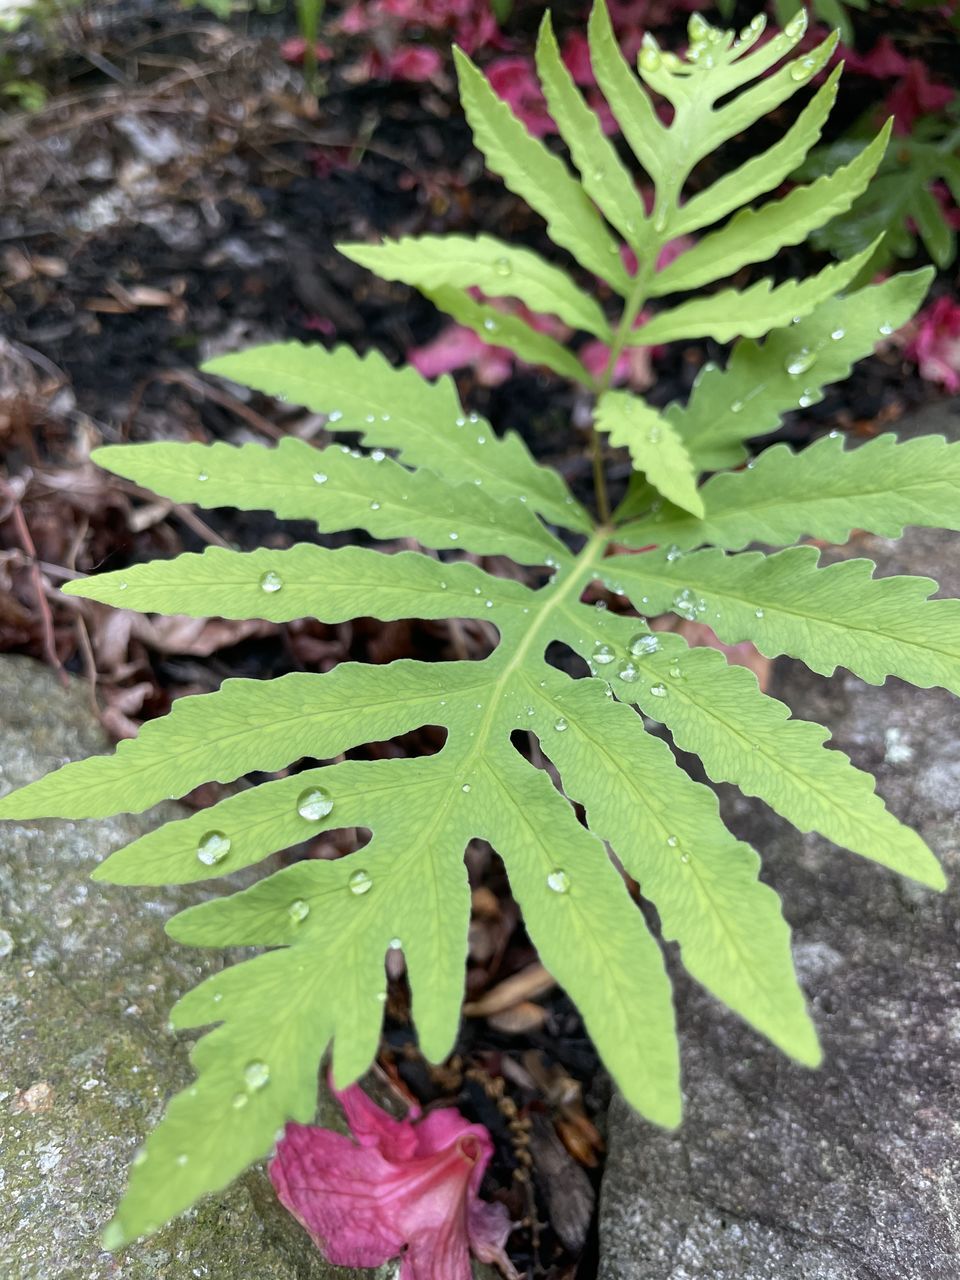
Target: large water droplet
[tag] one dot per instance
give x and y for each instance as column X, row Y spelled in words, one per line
column 885, row 330
column 673, row 553
column 560, row 724
column 466, row 788
column 270, row 581
column 374, row 506
column 314, row 804
column 360, row 882
column 628, row 673
column 686, row 604
column 838, row 334
column 673, row 841
column 203, row 477
column 676, row 672
column 603, row 653
column 800, row 362
column 319, row 478
column 395, row 944
column 802, row 70
column 378, row 455
column 240, row 1100
column 758, row 613
column 213, row 848
column 650, row 59
column 256, row 1074
column 298, row 910
column 490, row 325
column 503, row 267
column 558, row 881
column 658, row 690
column 644, row 644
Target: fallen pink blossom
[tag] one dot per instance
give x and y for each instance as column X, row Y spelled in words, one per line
column 417, row 64
column 512, row 79
column 407, row 1188
column 294, row 50
column 916, row 95
column 934, row 342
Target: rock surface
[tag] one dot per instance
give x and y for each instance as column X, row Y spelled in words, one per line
column 87, row 977
column 851, row 1172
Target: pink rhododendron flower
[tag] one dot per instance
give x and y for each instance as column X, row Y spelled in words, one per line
column 883, row 62
column 512, row 79
column 416, row 63
column 457, row 347
column 935, row 343
column 405, row 1188
column 916, row 95
column 294, row 49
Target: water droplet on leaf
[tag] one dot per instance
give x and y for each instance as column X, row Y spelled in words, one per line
column 558, row 881
column 643, row 644
column 628, row 673
column 658, row 690
column 256, row 1074
column 560, row 724
column 800, row 362
column 298, row 910
column 314, row 804
column 360, row 882
column 270, row 581
column 213, row 848
column 603, row 653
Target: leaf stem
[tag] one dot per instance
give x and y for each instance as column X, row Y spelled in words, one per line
column 635, row 300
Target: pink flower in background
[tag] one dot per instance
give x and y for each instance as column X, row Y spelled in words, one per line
column 457, row 347
column 405, row 1188
column 935, row 343
column 916, row 95
column 513, row 79
column 883, row 62
column 416, row 63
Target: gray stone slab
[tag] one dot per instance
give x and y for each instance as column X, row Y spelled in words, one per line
column 87, row 977
column 851, row 1172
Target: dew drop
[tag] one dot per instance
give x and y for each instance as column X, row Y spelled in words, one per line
column 374, row 506
column 800, row 362
column 653, row 435
column 453, row 536
column 490, row 325
column 256, row 1074
column 673, row 553
column 685, row 603
column 183, row 1159
column 558, row 881
column 503, row 267
column 796, row 26
column 684, row 858
column 676, row 672
column 395, row 944
column 737, row 406
column 628, row 673
column 240, row 1100
column 360, row 882
column 650, row 59
column 202, row 477
column 886, row 330
column 644, row 644
column 658, row 690
column 758, row 613
column 122, row 586
column 802, row 70
column 334, row 416
column 377, row 455
column 560, row 724
column 806, row 398
column 466, row 788
column 838, row 334
column 319, row 478
column 298, row 910
column 270, row 581
column 213, row 848
column 603, row 653
column 673, row 841
column 314, row 804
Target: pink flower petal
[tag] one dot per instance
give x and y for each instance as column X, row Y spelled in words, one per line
column 409, row 1188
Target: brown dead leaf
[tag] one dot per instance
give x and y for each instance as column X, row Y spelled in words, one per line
column 529, row 982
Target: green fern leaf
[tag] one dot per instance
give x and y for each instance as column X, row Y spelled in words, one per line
column 397, row 409
column 456, row 487
column 339, row 490
column 755, row 235
column 752, row 312
column 505, row 330
column 827, row 617
column 605, row 178
column 794, row 363
column 743, row 736
column 528, row 168
column 496, row 268
column 655, row 447
column 825, row 492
